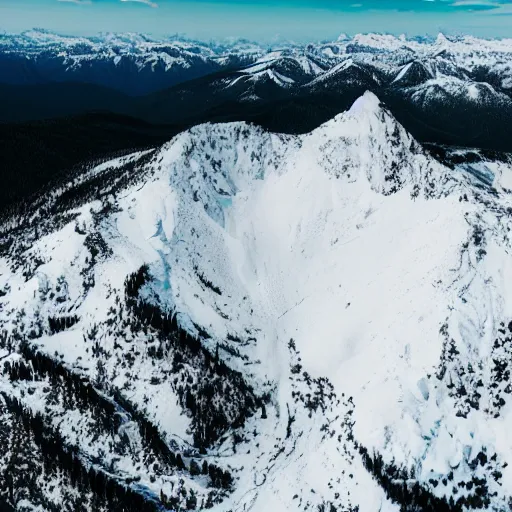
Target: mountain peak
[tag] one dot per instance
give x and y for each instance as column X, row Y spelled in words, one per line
column 366, row 104
column 442, row 39
column 370, row 141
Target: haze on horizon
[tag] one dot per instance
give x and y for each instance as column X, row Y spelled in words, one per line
column 263, row 20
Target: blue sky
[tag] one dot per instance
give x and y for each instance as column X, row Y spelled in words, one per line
column 261, row 19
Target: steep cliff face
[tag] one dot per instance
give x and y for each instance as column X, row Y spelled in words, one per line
column 247, row 320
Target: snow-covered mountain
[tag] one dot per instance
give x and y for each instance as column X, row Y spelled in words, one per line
column 150, row 64
column 132, row 63
column 243, row 320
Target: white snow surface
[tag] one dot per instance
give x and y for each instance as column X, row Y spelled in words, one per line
column 350, row 241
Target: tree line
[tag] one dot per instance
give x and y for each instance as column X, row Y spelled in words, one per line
column 210, row 418
column 402, row 489
column 97, row 489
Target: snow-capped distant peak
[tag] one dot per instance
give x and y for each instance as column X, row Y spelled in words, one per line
column 441, row 39
column 367, row 104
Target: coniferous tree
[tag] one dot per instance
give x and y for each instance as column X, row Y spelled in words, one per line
column 19, row 478
column 194, row 468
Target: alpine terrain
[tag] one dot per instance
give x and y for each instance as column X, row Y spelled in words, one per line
column 243, row 320
column 454, row 91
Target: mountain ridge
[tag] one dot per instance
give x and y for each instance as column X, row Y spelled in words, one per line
column 459, row 95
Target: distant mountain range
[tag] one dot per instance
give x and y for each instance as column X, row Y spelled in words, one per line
column 451, row 91
column 455, row 91
column 131, row 63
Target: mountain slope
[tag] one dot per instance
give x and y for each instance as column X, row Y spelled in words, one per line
column 24, row 103
column 243, row 319
column 39, row 154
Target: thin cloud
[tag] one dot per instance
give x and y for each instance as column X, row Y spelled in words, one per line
column 89, row 2
column 145, row 2
column 503, row 9
column 78, row 2
column 475, row 3
column 493, row 7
